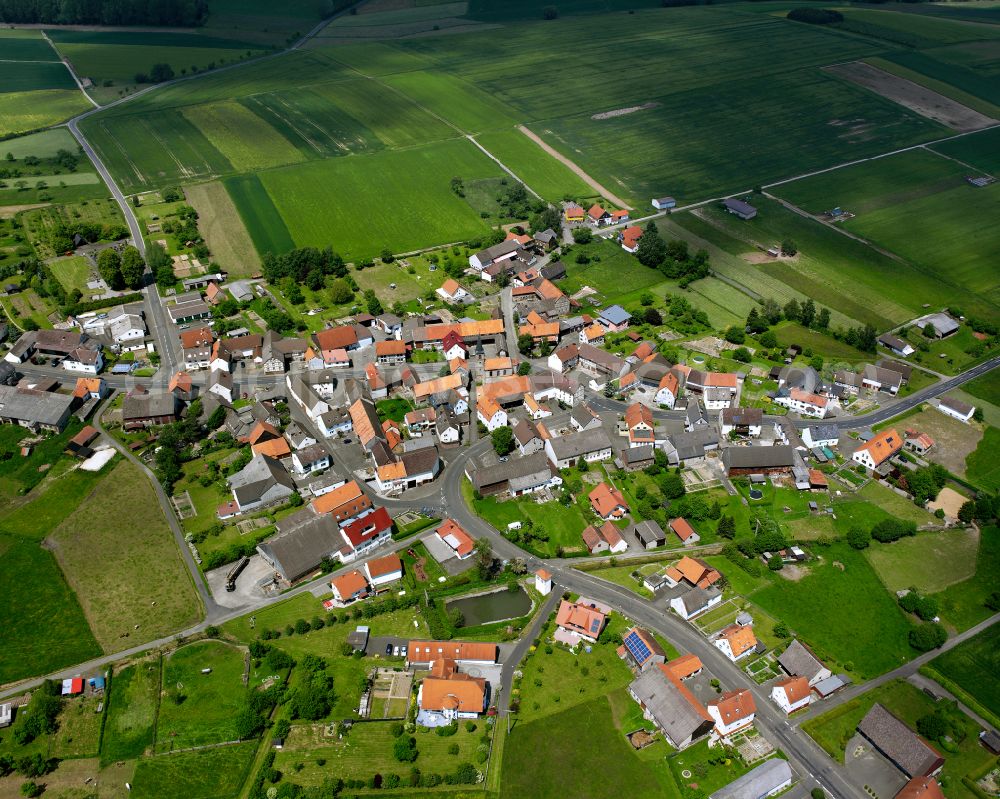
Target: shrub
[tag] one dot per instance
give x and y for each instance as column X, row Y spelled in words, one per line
column 815, row 16
column 927, row 636
column 859, row 538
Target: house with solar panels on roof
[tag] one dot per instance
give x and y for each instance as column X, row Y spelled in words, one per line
column 640, row 649
column 578, row 621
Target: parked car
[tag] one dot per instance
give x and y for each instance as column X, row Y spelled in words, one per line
column 388, row 649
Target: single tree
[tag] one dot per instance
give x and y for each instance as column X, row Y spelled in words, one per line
column 503, row 440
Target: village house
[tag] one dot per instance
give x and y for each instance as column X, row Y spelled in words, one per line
column 348, row 588
column 614, row 318
column 261, row 483
column 505, row 255
column 777, row 459
column 605, row 538
column 313, row 458
column 640, row 649
column 898, row 346
column 577, row 620
column 736, row 641
column 820, row 435
column 390, row 352
column 917, row 442
column 798, row 661
column 453, row 535
column 344, row 504
column 667, row 390
column 490, row 414
column 695, row 601
column 590, row 445
column 791, row 694
column 593, row 335
column 411, row 469
column 639, row 425
column 451, row 694
column 452, row 292
column 732, row 712
column 768, row 779
column 143, row 409
column 629, row 238
column 607, row 502
column 878, row 450
column 421, row 654
column 498, row 367
column 385, row 570
column 875, row 378
column 669, row 704
column 517, row 476
column 804, row 403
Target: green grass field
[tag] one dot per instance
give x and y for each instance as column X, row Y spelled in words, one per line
column 844, row 614
column 216, row 773
column 131, row 714
column 403, row 197
column 26, row 111
column 143, row 580
column 72, row 272
column 259, row 214
column 38, row 640
column 243, row 138
column 543, row 173
column 968, row 67
column 206, row 713
column 41, row 145
column 963, row 604
column 986, row 387
column 983, row 465
column 537, row 752
column 45, row 511
column 973, row 666
column 930, row 561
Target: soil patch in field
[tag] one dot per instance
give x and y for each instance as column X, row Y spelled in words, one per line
column 948, row 500
column 953, row 440
column 912, row 95
column 620, row 112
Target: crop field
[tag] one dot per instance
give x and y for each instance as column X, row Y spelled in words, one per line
column 843, row 612
column 914, row 30
column 131, row 714
column 142, row 590
column 263, row 21
column 889, row 193
column 154, row 149
column 207, row 703
column 456, row 100
column 243, row 138
column 929, row 561
column 59, row 497
column 986, row 387
column 398, row 199
column 41, row 145
column 983, row 464
column 981, row 150
column 220, row 223
column 21, row 112
column 216, row 773
column 970, row 68
column 549, row 177
column 259, row 214
column 973, row 665
column 963, row 604
column 37, row 640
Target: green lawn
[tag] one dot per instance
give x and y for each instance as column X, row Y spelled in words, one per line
column 37, row 640
column 60, row 497
column 132, row 704
column 538, row 754
column 834, row 729
column 963, row 604
column 19, row 475
column 982, row 149
column 986, row 387
column 973, row 666
column 929, row 561
column 216, row 773
column 982, row 466
column 367, row 749
column 206, row 713
column 844, row 614
column 143, row 589
column 395, row 408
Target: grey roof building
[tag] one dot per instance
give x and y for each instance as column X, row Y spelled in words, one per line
column 489, row 476
column 798, row 661
column 587, row 444
column 767, row 779
column 671, row 707
column 261, row 482
column 899, row 744
column 650, row 534
column 301, row 549
column 744, row 460
column 38, row 410
column 143, row 409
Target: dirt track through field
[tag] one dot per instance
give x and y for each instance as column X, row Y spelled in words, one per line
column 917, row 98
column 618, row 201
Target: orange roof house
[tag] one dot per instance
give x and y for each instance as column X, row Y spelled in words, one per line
column 349, row 586
column 263, row 431
column 732, row 711
column 336, row 338
column 879, row 449
column 343, row 503
column 452, row 533
column 574, row 213
column 196, row 337
column 597, row 212
column 735, row 641
column 451, row 692
column 426, row 652
column 682, row 667
column 608, row 502
column 697, row 572
column 181, row 381
column 683, row 529
column 89, row 386
column 437, row 385
column 390, row 348
column 273, row 448
column 921, row 788
column 791, row 694
column 580, row 621
column 630, row 237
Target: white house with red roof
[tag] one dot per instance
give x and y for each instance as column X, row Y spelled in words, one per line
column 684, row 531
column 732, row 711
column 804, row 403
column 384, row 570
column 791, row 694
column 366, row 533
column 451, row 291
column 629, row 238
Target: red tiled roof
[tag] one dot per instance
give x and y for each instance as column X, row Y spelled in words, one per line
column 367, row 527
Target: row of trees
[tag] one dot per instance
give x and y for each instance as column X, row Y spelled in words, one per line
column 121, row 270
column 60, row 235
column 671, row 257
column 182, row 13
column 306, row 265
column 807, row 314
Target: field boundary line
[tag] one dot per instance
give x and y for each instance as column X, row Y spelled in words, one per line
column 575, row 168
column 69, row 68
column 957, row 161
column 503, row 166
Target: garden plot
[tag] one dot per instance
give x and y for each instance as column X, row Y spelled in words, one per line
column 389, row 696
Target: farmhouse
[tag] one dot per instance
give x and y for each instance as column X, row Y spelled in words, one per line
column 803, row 403
column 739, row 208
column 262, row 482
column 454, row 536
column 821, row 435
column 33, row 409
column 956, row 409
column 390, row 352
column 942, row 324
column 875, row 378
column 899, row 744
column 670, row 705
column 629, row 238
column 741, row 421
column 344, row 503
column 732, row 711
column 384, row 570
column 489, row 412
column 452, row 292
column 519, row 476
column 348, row 587
column 576, row 620
column 142, row 409
column 667, row 390
column 501, row 253
column 412, row 469
column 791, row 694
column 777, row 459
column 879, row 449
column 664, row 203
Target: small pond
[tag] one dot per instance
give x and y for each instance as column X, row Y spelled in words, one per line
column 487, row 608
column 698, row 359
column 756, row 493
